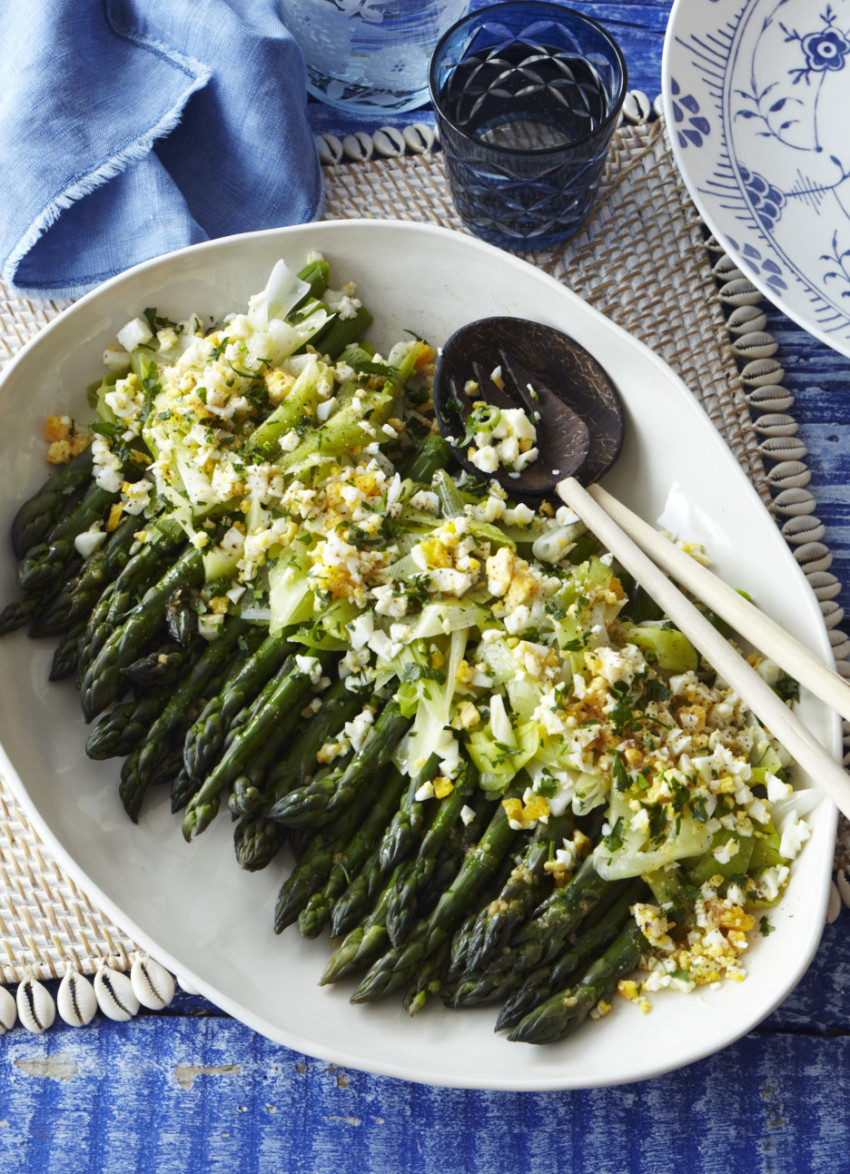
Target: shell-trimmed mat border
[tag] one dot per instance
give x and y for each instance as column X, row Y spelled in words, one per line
column 59, row 953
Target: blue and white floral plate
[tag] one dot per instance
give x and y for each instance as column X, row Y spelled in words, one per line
column 757, row 98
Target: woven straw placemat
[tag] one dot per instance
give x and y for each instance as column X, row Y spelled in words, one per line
column 644, row 260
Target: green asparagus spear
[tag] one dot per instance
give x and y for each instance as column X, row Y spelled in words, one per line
column 539, row 939
column 21, row 612
column 564, row 1012
column 183, row 787
column 408, row 823
column 428, row 982
column 320, row 800
column 79, row 594
column 181, row 617
column 66, row 655
column 497, row 920
column 363, row 943
column 398, row 967
column 140, row 766
column 347, row 863
column 205, row 739
column 342, row 332
column 257, row 838
column 404, row 903
column 41, row 512
column 341, row 845
column 277, row 717
column 122, row 594
column 102, row 679
column 42, row 566
column 120, row 729
column 588, row 943
column 317, row 274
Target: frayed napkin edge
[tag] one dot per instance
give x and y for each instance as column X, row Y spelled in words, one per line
column 111, row 166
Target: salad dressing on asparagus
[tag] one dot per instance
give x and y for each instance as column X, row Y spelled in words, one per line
column 500, row 775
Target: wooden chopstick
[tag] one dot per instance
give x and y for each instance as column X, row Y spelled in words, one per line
column 824, row 771
column 762, row 632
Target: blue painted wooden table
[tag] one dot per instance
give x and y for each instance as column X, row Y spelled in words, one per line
column 192, row 1090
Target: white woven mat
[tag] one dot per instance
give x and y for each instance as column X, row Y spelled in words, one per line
column 643, row 260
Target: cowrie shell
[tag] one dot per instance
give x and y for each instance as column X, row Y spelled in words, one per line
column 762, row 373
column 739, row 292
column 358, row 146
column 789, row 475
column 804, row 529
column 783, row 449
column 756, row 344
column 769, row 398
column 746, row 318
column 389, row 142
column 115, row 995
column 842, row 881
column 329, row 148
column 419, row 138
column 8, row 1011
column 36, row 1009
column 152, row 985
column 725, row 269
column 76, row 1000
column 636, row 107
column 833, row 614
column 833, row 907
column 813, row 556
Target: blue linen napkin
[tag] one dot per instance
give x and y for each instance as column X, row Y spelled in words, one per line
column 129, row 128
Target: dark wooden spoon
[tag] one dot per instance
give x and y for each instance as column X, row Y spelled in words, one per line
column 579, row 416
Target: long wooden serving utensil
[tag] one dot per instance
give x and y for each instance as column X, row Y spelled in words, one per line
column 584, row 438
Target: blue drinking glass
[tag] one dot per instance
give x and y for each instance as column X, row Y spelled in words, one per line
column 527, row 95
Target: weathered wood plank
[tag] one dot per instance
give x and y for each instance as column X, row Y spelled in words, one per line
column 207, row 1094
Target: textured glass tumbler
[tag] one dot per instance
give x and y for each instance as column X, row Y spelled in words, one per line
column 369, row 56
column 527, row 96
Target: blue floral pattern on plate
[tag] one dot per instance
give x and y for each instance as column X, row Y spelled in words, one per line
column 757, row 94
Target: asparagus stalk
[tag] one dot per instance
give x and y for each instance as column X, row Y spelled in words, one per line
column 42, row 566
column 588, row 943
column 139, row 768
column 122, row 594
column 404, row 901
column 398, row 967
column 276, row 718
column 363, row 890
column 340, row 846
column 40, row 513
column 497, row 920
column 21, row 612
column 318, row 801
column 564, row 1012
column 78, row 596
column 540, row 939
column 205, row 738
column 257, row 838
column 363, row 943
column 102, row 679
column 428, row 981
column 66, row 656
column 408, row 823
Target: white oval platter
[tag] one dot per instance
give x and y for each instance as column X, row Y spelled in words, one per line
column 189, row 904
